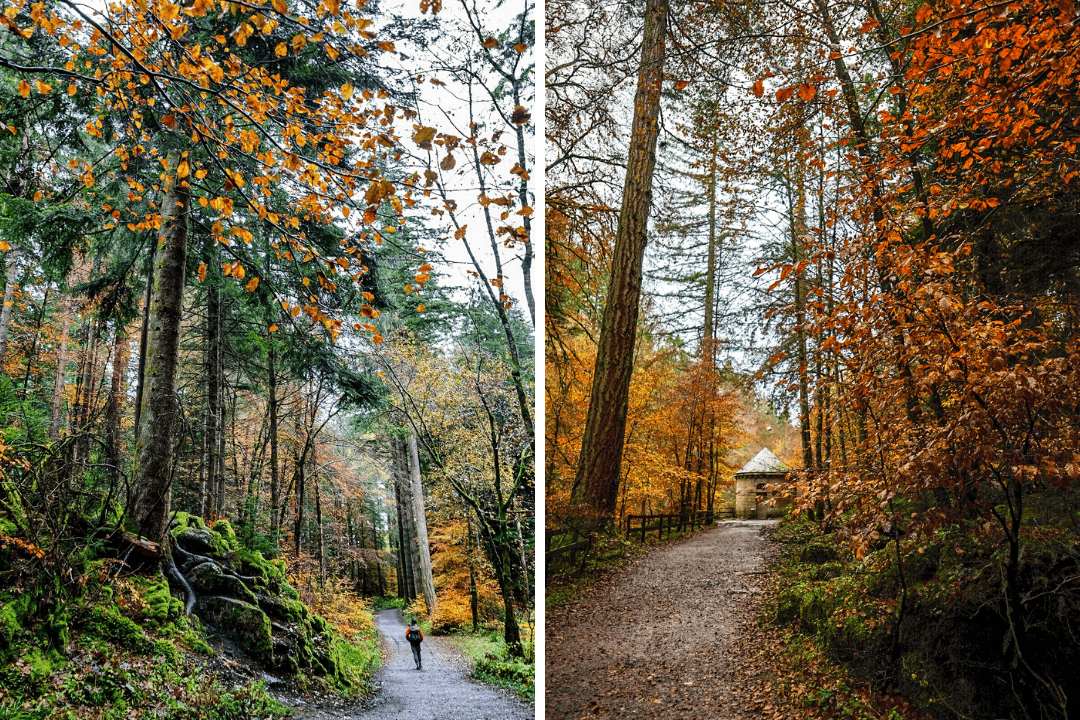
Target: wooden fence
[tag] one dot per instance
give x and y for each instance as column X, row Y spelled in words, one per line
column 566, row 540
column 669, row 523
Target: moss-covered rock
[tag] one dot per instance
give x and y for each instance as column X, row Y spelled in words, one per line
column 228, row 536
column 109, row 624
column 160, row 604
column 209, row 579
column 247, row 624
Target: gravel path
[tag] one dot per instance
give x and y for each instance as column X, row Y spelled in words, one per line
column 441, row 691
column 662, row 638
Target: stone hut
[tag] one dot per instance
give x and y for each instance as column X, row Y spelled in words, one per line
column 752, row 500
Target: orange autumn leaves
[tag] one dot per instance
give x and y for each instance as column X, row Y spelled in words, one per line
column 680, row 425
column 961, row 366
column 249, row 133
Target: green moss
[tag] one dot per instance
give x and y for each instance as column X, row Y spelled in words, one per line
column 290, row 592
column 225, row 529
column 159, row 601
column 352, row 664
column 109, row 624
column 166, row 649
column 184, row 520
column 253, row 562
column 250, row 626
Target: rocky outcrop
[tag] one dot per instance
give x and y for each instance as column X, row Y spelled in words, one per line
column 246, row 597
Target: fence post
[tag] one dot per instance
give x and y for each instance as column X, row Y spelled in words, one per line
column 643, row 524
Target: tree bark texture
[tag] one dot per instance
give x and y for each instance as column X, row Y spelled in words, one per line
column 156, row 449
column 427, row 580
column 9, row 294
column 605, row 426
column 60, row 387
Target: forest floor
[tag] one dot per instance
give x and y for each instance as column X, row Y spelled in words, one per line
column 441, row 691
column 671, row 636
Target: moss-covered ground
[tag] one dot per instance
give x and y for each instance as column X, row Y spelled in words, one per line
column 918, row 628
column 86, row 636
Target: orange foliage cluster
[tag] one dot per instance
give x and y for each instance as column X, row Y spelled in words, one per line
column 680, row 426
column 956, row 331
column 451, row 557
column 333, row 600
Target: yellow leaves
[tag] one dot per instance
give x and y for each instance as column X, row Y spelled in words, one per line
column 460, row 232
column 281, row 6
column 24, row 88
column 4, row 245
column 491, row 43
column 423, row 137
column 346, row 91
column 682, row 84
column 281, row 50
column 520, row 116
column 43, row 88
column 202, row 272
column 421, row 308
column 378, row 191
column 385, row 46
column 169, row 11
column 234, row 269
column 71, row 89
column 784, row 94
column 298, row 42
column 272, row 328
column 807, row 92
column 182, row 170
column 343, row 262
column 489, row 158
column 252, row 284
column 519, row 48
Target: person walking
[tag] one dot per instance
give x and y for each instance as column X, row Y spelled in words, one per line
column 415, row 636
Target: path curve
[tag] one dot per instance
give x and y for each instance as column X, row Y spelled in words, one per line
column 441, row 691
column 658, row 640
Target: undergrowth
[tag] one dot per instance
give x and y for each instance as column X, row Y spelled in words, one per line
column 918, row 628
column 491, row 663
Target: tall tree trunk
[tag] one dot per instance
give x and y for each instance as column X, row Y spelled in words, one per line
column 156, row 448
column 144, row 333
column 708, row 342
column 605, row 426
column 275, row 472
column 116, row 401
column 427, row 581
column 212, row 419
column 10, row 276
column 470, row 551
column 60, row 387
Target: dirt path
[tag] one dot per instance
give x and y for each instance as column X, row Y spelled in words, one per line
column 658, row 639
column 441, row 691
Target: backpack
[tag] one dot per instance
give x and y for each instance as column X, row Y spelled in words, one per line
column 413, row 636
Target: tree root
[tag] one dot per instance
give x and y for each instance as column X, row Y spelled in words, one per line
column 172, row 573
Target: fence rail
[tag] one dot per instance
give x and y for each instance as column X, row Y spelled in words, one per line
column 558, row 538
column 668, row 523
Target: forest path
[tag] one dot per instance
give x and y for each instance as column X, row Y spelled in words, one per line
column 441, row 691
column 662, row 638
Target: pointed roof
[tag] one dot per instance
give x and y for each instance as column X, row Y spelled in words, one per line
column 764, row 462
